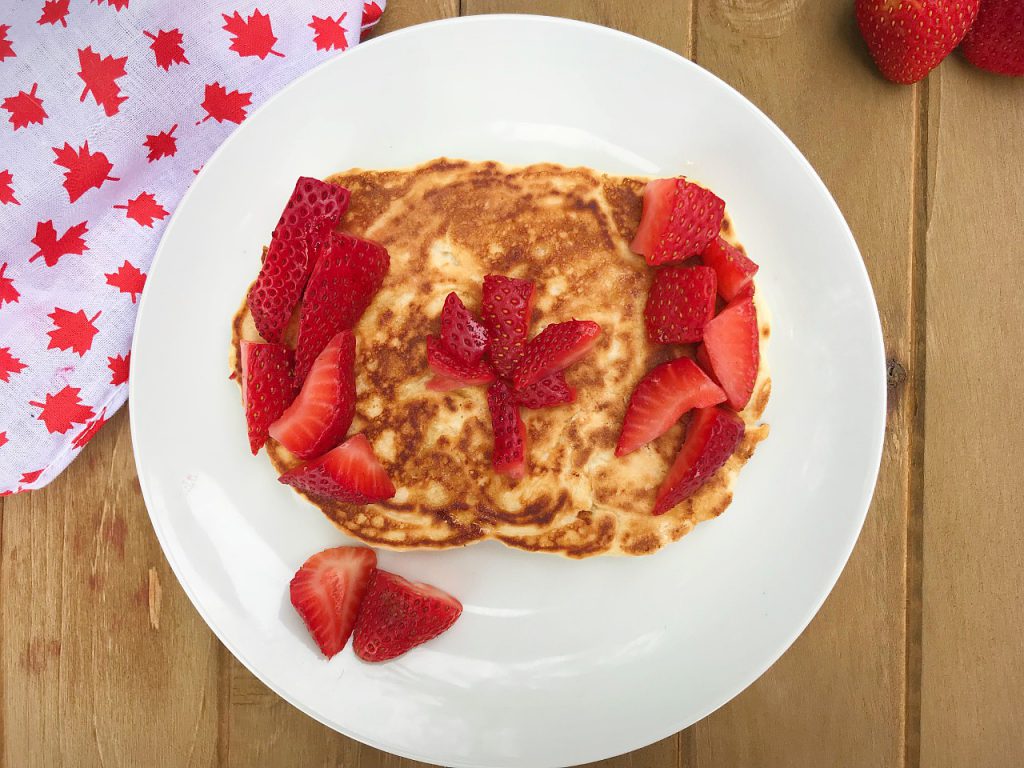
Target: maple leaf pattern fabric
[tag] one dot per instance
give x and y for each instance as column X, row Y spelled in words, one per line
column 108, row 110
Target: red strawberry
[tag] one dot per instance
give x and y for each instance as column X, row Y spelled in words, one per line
column 344, row 281
column 322, row 412
column 679, row 220
column 509, row 457
column 451, row 372
column 680, row 304
column 312, row 212
column 711, row 438
column 704, row 361
column 555, row 348
column 550, row 391
column 507, row 306
column 397, row 615
column 908, row 38
column 732, row 268
column 267, row 387
column 462, row 334
column 661, row 398
column 328, row 590
column 444, row 383
column 996, row 39
column 349, row 473
column 732, row 343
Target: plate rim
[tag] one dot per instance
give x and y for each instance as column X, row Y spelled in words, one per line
column 877, row 337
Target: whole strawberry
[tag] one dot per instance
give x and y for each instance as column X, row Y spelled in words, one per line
column 996, row 40
column 908, row 38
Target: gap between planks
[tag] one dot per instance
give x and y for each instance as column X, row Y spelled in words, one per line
column 915, row 485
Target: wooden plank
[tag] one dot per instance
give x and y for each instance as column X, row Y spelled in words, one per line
column 973, row 618
column 406, row 13
column 104, row 661
column 837, row 697
column 262, row 728
column 667, row 753
column 665, row 22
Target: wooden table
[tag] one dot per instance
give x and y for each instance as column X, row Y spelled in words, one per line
column 915, row 659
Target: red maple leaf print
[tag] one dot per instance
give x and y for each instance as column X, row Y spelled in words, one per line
column 328, row 34
column 9, row 364
column 371, row 14
column 161, row 144
column 72, row 330
column 54, row 12
column 100, row 76
column 85, row 170
column 119, row 365
column 62, row 410
column 51, row 248
column 30, row 477
column 252, row 36
column 3, row 439
column 25, row 108
column 8, row 293
column 144, row 209
column 128, row 279
column 6, row 49
column 90, row 430
column 166, row 46
column 223, row 106
column 117, row 5
column 7, row 188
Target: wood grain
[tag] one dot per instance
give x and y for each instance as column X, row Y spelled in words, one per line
column 837, row 697
column 973, row 621
column 665, row 23
column 87, row 679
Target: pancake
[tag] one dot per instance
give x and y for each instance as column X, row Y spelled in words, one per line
column 446, row 224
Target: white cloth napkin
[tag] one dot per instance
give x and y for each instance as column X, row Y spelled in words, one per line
column 108, row 109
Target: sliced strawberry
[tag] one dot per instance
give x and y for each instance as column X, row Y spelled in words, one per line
column 661, row 398
column 732, row 343
column 555, row 348
column 452, row 371
column 550, row 391
column 509, row 457
column 312, row 212
column 343, row 283
column 463, row 335
column 704, row 361
column 440, row 383
column 711, row 438
column 397, row 615
column 507, row 306
column 680, row 304
column 746, row 292
column 267, row 387
column 733, row 269
column 283, row 276
column 679, row 220
column 328, row 590
column 322, row 412
column 349, row 473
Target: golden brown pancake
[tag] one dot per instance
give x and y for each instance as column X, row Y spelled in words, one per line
column 446, row 224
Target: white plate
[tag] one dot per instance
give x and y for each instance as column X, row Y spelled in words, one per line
column 553, row 662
